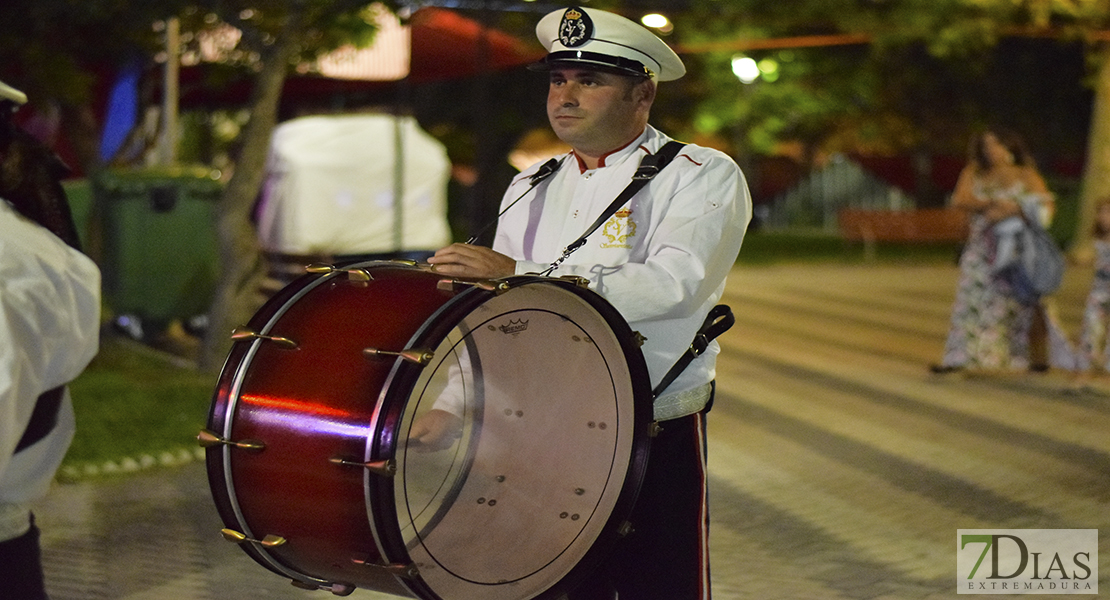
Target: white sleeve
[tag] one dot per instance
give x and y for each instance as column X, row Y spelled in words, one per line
column 49, row 320
column 459, row 377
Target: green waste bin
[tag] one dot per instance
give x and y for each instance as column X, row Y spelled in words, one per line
column 159, row 253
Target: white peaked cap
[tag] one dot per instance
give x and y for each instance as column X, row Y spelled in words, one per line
column 600, row 39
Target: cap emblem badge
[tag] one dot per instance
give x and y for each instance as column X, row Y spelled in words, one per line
column 575, row 29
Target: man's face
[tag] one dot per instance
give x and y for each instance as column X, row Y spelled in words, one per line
column 596, row 111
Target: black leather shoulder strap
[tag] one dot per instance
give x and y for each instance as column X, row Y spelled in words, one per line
column 650, row 166
column 718, row 321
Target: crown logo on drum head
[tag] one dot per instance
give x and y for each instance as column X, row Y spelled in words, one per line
column 514, row 326
column 576, row 28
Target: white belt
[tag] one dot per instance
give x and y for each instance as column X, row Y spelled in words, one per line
column 680, row 404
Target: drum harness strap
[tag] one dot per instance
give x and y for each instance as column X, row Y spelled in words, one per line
column 720, row 318
column 546, row 170
column 650, row 166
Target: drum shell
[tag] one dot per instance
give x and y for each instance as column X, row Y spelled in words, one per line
column 309, row 405
column 327, row 400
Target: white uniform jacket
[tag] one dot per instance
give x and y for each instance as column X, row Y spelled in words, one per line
column 49, row 331
column 661, row 260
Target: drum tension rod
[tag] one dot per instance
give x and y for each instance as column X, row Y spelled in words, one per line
column 245, row 333
column 576, row 280
column 208, row 438
column 497, row 286
column 354, row 274
column 420, row 356
column 269, row 541
column 385, row 468
column 408, row 571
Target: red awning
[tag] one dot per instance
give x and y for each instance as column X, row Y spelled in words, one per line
column 446, row 45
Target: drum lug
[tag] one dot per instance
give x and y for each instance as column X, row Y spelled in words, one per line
column 654, row 429
column 406, row 571
column 420, row 356
column 385, row 468
column 269, row 541
column 449, row 286
column 354, row 274
column 638, row 339
column 208, row 438
column 245, row 333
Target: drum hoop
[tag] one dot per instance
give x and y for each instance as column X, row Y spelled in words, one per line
column 409, row 374
column 283, row 304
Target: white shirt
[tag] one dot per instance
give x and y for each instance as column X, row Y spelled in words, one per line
column 662, row 263
column 49, row 331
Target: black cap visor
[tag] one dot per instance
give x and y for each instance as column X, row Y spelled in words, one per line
column 591, row 60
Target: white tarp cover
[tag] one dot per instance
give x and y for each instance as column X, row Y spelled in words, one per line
column 330, row 183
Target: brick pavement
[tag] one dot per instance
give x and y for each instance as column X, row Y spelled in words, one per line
column 842, row 468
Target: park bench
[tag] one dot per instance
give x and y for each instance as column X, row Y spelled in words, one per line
column 927, row 225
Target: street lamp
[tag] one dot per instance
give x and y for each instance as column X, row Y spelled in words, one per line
column 745, row 68
column 657, row 21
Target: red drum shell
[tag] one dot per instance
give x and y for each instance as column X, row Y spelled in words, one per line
column 327, row 400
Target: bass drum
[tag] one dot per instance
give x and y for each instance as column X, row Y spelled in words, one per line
column 313, row 456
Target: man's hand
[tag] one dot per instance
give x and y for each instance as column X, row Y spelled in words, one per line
column 434, row 430
column 465, row 260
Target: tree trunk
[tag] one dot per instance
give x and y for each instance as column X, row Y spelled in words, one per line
column 1096, row 185
column 242, row 268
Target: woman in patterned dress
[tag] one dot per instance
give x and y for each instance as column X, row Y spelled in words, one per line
column 990, row 327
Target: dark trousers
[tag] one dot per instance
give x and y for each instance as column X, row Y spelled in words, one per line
column 666, row 557
column 21, row 567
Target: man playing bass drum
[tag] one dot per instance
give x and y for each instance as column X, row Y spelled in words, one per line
column 661, row 260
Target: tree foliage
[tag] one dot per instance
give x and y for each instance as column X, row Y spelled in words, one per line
column 900, row 76
column 880, row 75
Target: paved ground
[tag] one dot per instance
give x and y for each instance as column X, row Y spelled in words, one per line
column 840, row 467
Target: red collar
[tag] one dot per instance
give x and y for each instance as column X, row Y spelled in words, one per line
column 601, row 160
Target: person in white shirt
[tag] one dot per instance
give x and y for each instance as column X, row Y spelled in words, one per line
column 49, row 331
column 661, row 260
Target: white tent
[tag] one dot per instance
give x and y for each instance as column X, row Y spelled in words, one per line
column 332, row 184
